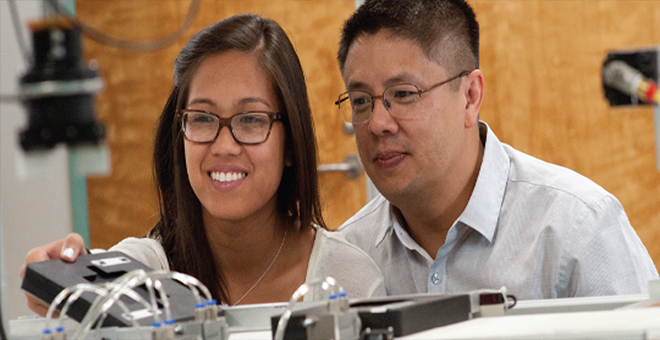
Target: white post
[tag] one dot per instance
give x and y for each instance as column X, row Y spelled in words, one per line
column 656, row 118
column 36, row 211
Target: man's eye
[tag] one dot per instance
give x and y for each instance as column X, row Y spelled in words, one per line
column 402, row 94
column 360, row 101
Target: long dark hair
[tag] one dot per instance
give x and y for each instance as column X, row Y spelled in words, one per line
column 180, row 228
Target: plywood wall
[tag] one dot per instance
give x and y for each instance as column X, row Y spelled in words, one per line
column 541, row 61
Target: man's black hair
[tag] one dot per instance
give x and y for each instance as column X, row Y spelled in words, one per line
column 446, row 30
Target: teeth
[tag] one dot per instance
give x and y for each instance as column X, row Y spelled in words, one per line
column 227, row 176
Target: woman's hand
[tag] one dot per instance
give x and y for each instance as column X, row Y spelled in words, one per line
column 67, row 249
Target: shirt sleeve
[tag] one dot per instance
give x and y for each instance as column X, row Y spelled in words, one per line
column 605, row 256
column 351, row 267
column 146, row 250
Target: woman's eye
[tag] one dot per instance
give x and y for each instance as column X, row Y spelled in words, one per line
column 201, row 119
column 253, row 119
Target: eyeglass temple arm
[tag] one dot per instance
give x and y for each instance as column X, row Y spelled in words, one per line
column 462, row 74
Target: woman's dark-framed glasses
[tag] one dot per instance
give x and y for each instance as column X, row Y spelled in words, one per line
column 250, row 127
column 399, row 100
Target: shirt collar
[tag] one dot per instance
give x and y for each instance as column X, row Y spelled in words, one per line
column 389, row 219
column 402, row 233
column 484, row 207
column 392, row 225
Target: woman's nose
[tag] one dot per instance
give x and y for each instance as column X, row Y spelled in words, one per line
column 225, row 143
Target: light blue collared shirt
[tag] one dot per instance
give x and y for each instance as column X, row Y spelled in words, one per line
column 540, row 230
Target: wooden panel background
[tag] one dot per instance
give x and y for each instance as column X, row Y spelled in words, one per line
column 541, row 61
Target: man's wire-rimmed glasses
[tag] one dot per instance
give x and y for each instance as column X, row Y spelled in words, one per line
column 250, row 127
column 357, row 106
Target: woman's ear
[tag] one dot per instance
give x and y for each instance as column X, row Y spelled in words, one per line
column 288, row 158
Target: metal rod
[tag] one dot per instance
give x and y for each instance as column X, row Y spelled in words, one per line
column 352, row 167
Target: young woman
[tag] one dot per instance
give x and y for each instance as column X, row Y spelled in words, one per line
column 235, row 164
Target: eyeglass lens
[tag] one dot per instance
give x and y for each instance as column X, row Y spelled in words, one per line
column 247, row 128
column 356, row 106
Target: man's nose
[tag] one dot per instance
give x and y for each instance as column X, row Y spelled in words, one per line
column 382, row 121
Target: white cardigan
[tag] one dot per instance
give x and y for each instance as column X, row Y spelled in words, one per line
column 331, row 256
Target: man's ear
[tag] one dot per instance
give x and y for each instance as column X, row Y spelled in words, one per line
column 474, row 94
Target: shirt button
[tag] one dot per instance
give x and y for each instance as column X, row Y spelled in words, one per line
column 436, row 279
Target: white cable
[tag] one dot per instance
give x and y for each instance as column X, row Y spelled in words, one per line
column 166, row 300
column 66, row 293
column 110, row 293
column 118, row 289
column 326, row 284
column 71, row 294
column 152, row 296
column 189, row 280
column 192, row 283
column 93, row 310
column 110, row 300
column 59, row 298
column 125, row 285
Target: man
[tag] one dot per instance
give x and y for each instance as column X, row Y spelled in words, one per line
column 459, row 210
